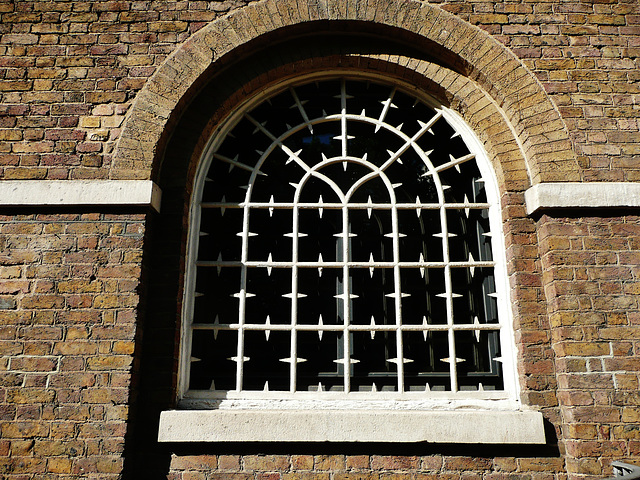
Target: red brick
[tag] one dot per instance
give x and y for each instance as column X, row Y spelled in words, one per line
column 329, row 462
column 229, row 462
column 266, row 462
column 388, row 462
column 194, row 462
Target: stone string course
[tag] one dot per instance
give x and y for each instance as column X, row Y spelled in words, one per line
column 89, row 297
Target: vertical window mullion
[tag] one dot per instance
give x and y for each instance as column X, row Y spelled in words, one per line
column 242, row 299
column 398, row 295
column 293, row 354
column 448, row 298
column 346, row 288
column 346, row 299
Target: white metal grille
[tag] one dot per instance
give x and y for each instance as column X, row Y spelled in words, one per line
column 344, row 246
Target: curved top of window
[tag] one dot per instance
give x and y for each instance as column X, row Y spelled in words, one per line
column 346, row 244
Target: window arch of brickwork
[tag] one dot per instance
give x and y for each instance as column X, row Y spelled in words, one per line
column 346, row 245
column 454, row 43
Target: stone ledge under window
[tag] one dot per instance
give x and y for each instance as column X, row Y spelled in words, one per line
column 468, row 426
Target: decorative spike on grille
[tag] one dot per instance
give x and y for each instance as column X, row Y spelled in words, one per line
column 294, row 295
column 395, row 294
column 371, row 268
column 346, row 361
column 472, row 269
column 267, row 332
column 269, row 267
column 448, row 360
column 271, row 202
column 398, row 360
column 216, row 327
column 293, row 360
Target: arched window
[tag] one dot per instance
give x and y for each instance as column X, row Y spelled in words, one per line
column 346, row 243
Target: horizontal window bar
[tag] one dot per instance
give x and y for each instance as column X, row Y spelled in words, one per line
column 340, row 206
column 258, row 264
column 350, row 328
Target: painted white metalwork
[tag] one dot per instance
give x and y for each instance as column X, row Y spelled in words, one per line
column 346, row 203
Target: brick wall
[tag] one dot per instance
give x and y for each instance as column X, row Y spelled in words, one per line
column 68, row 298
column 70, row 69
column 81, row 386
column 360, row 467
column 591, row 271
column 586, row 55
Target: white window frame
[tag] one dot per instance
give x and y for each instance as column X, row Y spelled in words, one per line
column 463, row 416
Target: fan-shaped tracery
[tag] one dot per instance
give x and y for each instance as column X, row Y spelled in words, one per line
column 344, row 246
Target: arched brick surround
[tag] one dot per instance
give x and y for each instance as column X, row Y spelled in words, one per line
column 463, row 48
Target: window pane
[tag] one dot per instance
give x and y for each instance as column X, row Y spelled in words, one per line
column 478, row 303
column 468, row 240
column 320, row 301
column 320, row 350
column 266, row 352
column 479, row 350
column 374, row 366
column 214, row 295
column 210, row 365
column 426, row 350
column 370, row 238
column 372, row 304
column 268, row 235
column 217, row 238
column 268, row 298
column 320, row 243
column 344, row 252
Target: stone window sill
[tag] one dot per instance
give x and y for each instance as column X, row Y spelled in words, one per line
column 455, row 426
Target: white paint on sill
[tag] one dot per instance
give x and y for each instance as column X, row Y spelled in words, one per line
column 456, row 426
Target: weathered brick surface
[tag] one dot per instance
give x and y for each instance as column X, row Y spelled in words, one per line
column 398, row 467
column 66, row 357
column 69, row 71
column 589, row 263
